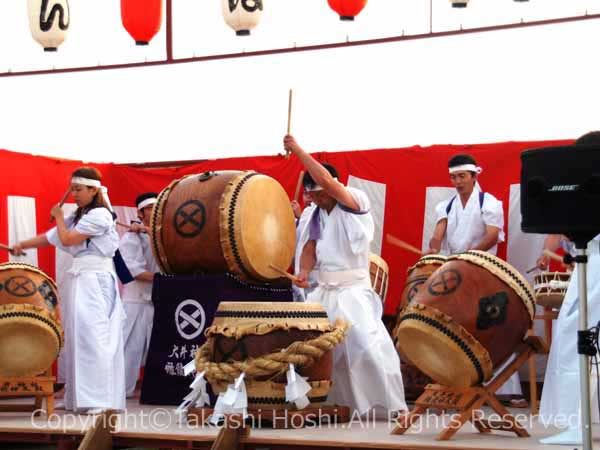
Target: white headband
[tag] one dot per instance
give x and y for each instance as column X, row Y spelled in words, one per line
column 316, row 187
column 466, row 167
column 86, row 182
column 94, row 183
column 147, row 202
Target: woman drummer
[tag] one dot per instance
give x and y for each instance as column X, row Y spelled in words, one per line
column 92, row 363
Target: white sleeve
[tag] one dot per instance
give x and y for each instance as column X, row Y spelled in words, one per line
column 133, row 253
column 52, row 234
column 493, row 214
column 440, row 210
column 95, row 223
column 359, row 227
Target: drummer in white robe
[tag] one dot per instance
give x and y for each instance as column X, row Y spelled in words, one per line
column 471, row 220
column 137, row 254
column 366, row 369
column 560, row 405
column 302, row 217
column 92, row 315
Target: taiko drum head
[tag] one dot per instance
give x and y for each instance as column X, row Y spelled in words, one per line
column 467, row 320
column 30, row 332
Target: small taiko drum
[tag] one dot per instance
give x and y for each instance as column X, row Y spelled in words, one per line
column 418, row 275
column 380, row 273
column 467, row 319
column 258, row 335
column 30, row 332
column 229, row 221
column 550, row 288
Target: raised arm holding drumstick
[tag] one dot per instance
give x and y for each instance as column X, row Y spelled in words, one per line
column 336, row 239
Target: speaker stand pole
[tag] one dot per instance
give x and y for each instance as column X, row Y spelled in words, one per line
column 582, row 434
column 584, row 360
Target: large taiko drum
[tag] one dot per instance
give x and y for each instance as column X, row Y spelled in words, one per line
column 467, row 320
column 550, row 288
column 30, row 332
column 418, row 275
column 257, row 334
column 230, row 221
column 380, row 273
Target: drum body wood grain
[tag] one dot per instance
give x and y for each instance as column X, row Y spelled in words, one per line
column 467, row 320
column 229, row 221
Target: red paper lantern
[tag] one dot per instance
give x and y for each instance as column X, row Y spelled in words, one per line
column 347, row 9
column 141, row 19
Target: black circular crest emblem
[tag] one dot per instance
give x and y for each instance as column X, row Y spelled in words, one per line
column 189, row 219
column 20, row 286
column 445, row 282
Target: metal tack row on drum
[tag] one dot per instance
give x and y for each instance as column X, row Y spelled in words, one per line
column 466, row 319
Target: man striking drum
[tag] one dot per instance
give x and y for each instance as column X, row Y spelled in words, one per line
column 471, row 220
column 366, row 369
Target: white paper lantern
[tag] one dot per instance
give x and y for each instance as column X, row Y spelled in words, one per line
column 49, row 22
column 242, row 15
column 459, row 3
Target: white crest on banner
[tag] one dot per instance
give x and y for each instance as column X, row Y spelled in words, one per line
column 190, row 319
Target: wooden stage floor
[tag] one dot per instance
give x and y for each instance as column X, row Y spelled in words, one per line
column 155, row 426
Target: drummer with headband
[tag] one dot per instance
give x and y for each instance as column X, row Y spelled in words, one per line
column 92, row 362
column 137, row 254
column 471, row 219
column 336, row 237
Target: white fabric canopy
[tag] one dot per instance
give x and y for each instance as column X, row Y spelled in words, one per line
column 519, row 84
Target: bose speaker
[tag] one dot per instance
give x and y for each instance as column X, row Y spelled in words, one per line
column 560, row 191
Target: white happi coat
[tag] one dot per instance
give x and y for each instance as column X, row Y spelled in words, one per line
column 366, row 368
column 465, row 229
column 92, row 361
column 466, row 226
column 300, row 294
column 560, row 403
column 137, row 300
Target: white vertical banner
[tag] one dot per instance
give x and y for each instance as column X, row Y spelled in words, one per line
column 376, row 193
column 63, row 259
column 433, row 195
column 523, row 250
column 21, row 226
column 125, row 214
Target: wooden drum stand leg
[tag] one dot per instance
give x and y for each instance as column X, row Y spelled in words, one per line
column 41, row 387
column 467, row 402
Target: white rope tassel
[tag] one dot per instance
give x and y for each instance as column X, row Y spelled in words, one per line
column 233, row 401
column 198, row 396
column 296, row 388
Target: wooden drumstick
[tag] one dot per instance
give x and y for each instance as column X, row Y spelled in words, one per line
column 283, row 272
column 532, row 269
column 62, row 202
column 289, row 122
column 9, row 249
column 298, row 185
column 400, row 243
column 123, row 225
column 555, row 256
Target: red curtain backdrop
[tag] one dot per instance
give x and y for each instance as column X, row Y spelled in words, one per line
column 406, row 172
